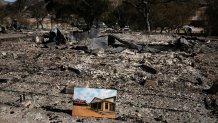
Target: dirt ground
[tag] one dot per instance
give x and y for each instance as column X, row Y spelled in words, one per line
column 86, row 111
column 3, row 121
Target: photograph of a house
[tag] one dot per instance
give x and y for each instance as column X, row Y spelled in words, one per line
column 93, row 102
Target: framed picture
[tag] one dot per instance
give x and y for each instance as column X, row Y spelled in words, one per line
column 93, row 102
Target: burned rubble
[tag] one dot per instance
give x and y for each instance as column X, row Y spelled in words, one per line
column 159, row 78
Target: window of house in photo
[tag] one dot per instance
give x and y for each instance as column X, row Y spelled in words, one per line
column 106, row 105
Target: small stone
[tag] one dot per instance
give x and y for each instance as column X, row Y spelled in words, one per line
column 37, row 40
column 15, row 55
column 27, row 104
column 4, row 53
column 169, row 62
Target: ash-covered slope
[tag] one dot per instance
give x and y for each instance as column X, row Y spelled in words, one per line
column 173, row 93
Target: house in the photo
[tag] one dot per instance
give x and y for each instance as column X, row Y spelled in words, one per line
column 106, row 104
column 79, row 102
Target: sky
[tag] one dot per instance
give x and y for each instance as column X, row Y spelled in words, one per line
column 10, row 0
column 89, row 93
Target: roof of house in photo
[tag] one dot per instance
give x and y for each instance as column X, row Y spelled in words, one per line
column 96, row 99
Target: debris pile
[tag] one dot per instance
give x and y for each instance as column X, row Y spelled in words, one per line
column 158, row 80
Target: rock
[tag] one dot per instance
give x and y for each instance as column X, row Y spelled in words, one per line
column 169, row 61
column 27, row 103
column 16, row 56
column 38, row 40
column 139, row 115
column 4, row 53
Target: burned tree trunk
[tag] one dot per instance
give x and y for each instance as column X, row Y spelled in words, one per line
column 143, row 8
column 146, row 18
column 111, row 39
column 145, row 11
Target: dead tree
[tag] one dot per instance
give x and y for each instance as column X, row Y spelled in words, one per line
column 143, row 7
column 39, row 12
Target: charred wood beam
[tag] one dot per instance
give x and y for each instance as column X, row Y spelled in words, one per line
column 126, row 43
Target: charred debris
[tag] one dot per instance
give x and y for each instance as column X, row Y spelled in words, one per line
column 163, row 75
